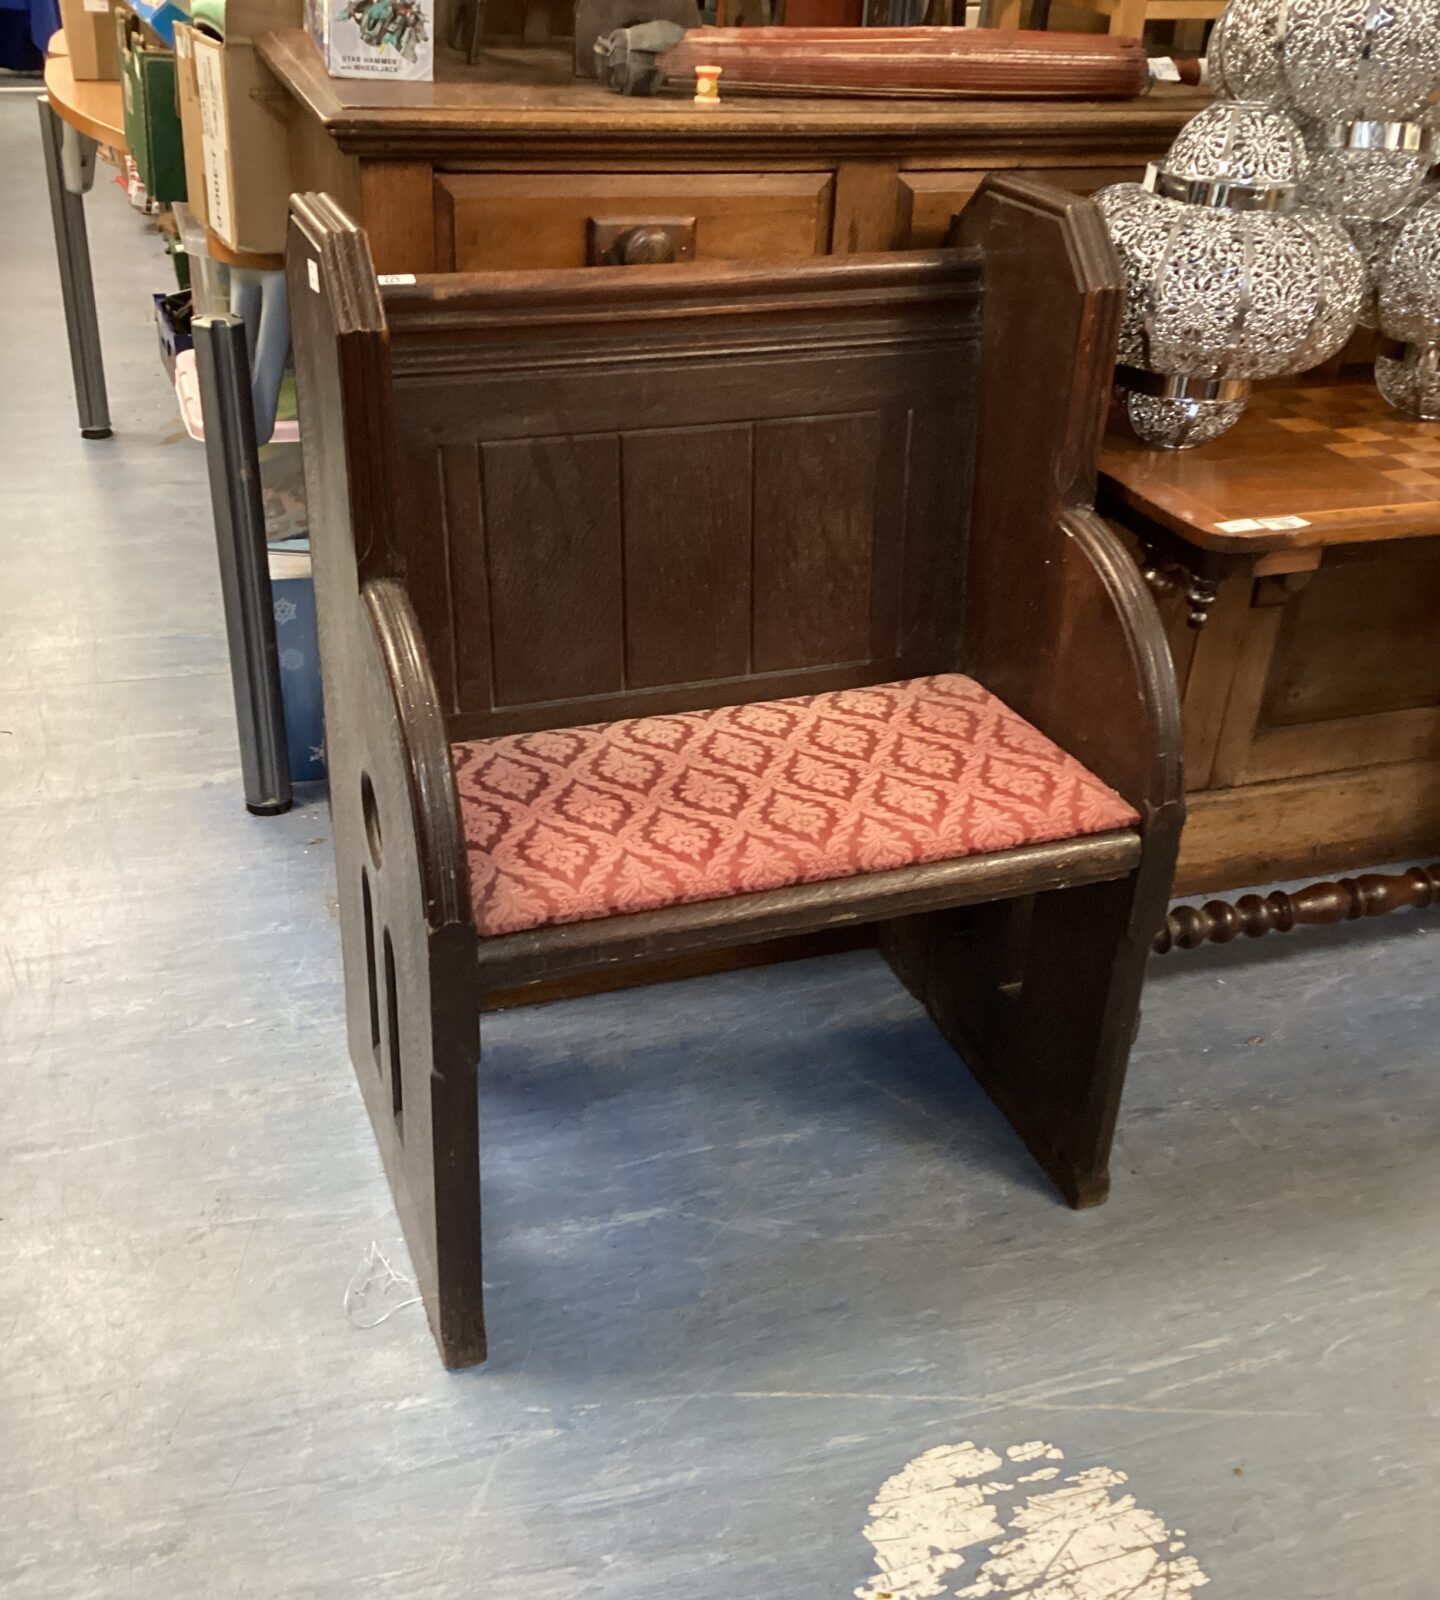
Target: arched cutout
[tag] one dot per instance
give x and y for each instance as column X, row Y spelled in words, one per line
column 392, row 1037
column 370, row 971
column 371, row 813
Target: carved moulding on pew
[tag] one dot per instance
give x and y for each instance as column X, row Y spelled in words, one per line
column 928, row 63
column 1318, row 904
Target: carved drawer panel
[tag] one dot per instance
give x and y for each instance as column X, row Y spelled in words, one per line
column 504, row 221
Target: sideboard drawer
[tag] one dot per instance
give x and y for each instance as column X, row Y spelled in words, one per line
column 504, row 221
column 928, row 200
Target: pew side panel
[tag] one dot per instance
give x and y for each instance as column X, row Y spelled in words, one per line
column 1042, row 994
column 407, row 937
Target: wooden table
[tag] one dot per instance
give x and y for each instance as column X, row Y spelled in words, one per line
column 76, row 118
column 1298, row 563
column 513, row 162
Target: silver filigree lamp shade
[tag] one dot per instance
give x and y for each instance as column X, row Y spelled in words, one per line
column 1353, row 61
column 1361, row 182
column 1374, row 239
column 1223, row 285
column 1407, row 365
column 1244, row 52
column 1357, row 74
column 1240, row 144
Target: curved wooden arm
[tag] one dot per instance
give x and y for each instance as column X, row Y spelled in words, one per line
column 434, row 802
column 1113, row 700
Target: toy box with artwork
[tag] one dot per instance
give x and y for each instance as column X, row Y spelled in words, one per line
column 375, row 38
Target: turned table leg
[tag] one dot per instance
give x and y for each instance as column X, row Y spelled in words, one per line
column 1199, row 589
column 1371, row 895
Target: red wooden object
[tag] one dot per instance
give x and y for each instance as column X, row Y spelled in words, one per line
column 993, row 63
column 824, row 13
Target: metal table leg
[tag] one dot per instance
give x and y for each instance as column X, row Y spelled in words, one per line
column 70, row 170
column 230, row 449
column 259, row 299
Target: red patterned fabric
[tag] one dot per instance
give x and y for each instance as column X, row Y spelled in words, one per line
column 630, row 816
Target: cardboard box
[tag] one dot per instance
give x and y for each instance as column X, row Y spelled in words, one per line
column 392, row 39
column 244, row 128
column 152, row 124
column 192, row 127
column 90, row 35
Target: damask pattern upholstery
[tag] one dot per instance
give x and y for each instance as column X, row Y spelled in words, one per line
column 580, row 823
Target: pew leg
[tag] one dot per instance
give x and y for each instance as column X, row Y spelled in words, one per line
column 1041, row 998
column 412, row 1005
column 413, row 1045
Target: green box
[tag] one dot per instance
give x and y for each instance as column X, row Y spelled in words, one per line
column 152, row 122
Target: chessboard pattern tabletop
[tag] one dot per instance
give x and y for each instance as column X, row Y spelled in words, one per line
column 1305, row 467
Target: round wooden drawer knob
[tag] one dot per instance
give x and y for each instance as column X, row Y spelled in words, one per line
column 640, row 246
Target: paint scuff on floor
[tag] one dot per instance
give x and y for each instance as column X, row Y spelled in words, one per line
column 950, row 1524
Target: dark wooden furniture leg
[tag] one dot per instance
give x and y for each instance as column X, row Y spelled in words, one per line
column 1316, row 905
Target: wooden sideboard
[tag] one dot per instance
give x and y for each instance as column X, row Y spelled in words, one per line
column 514, row 163
column 1297, row 559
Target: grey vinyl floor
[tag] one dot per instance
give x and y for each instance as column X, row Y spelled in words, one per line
column 755, row 1243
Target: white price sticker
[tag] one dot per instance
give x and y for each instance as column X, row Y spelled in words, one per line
column 1262, row 525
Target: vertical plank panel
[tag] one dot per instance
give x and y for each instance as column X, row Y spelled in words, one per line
column 552, row 519
column 887, row 548
column 935, row 547
column 867, row 197
column 464, row 537
column 815, row 482
column 421, row 554
column 686, row 498
column 397, row 203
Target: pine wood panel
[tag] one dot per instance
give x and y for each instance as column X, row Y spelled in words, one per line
column 1308, row 826
column 1359, row 638
column 399, row 192
column 929, row 200
column 501, row 221
column 1374, row 738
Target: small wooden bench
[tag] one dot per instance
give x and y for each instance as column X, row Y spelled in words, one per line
column 665, row 609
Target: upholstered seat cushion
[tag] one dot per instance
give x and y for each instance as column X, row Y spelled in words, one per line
column 589, row 822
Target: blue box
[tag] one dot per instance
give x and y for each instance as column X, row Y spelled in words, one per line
column 297, row 639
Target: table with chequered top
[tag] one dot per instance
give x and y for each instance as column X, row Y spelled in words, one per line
column 1296, row 560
